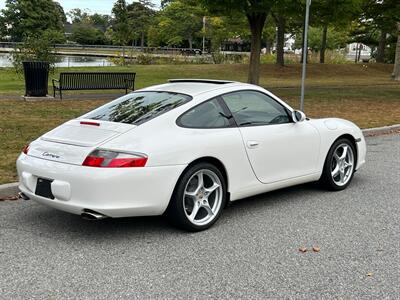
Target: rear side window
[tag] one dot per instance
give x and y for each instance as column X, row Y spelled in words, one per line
column 209, row 114
column 139, row 107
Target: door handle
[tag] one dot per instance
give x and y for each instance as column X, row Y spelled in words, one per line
column 252, row 144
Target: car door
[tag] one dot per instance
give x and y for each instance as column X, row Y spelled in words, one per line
column 277, row 148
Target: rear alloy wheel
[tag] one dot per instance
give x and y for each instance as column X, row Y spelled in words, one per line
column 339, row 165
column 199, row 198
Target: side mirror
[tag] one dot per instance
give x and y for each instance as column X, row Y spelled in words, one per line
column 298, row 116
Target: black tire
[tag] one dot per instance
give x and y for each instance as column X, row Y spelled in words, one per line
column 326, row 179
column 176, row 211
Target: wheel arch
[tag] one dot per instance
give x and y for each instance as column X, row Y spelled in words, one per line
column 352, row 140
column 214, row 161
column 347, row 136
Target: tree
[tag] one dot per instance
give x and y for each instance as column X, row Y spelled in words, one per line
column 26, row 18
column 140, row 17
column 378, row 20
column 78, row 16
column 338, row 13
column 269, row 35
column 101, row 22
column 256, row 12
column 35, row 48
column 179, row 22
column 87, row 34
column 335, row 39
column 219, row 29
column 282, row 12
column 121, row 31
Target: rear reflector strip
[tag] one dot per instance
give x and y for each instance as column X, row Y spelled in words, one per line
column 89, row 123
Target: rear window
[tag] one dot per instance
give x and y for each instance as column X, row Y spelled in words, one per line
column 139, row 107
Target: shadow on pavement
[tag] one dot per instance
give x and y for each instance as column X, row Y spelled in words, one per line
column 51, row 222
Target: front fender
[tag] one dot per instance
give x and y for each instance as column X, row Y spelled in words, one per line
column 333, row 128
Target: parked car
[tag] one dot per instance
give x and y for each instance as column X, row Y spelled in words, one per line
column 187, row 51
column 185, row 148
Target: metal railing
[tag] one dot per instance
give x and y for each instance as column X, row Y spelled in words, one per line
column 152, row 50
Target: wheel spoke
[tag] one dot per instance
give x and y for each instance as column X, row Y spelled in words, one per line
column 211, row 189
column 344, row 154
column 200, row 177
column 191, row 194
column 194, row 212
column 335, row 171
column 342, row 175
column 347, row 164
column 336, row 157
column 207, row 207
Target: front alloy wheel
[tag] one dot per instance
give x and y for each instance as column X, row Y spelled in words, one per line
column 342, row 164
column 339, row 165
column 198, row 198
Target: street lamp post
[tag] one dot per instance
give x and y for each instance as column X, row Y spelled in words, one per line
column 303, row 75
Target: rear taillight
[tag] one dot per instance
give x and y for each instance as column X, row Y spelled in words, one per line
column 113, row 159
column 25, row 149
column 89, row 123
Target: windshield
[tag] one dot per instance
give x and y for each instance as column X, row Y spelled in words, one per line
column 138, row 107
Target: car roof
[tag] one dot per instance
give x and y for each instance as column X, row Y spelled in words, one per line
column 192, row 87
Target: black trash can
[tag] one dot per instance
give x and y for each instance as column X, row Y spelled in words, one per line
column 36, row 78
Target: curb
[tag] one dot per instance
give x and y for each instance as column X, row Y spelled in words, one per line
column 381, row 130
column 11, row 189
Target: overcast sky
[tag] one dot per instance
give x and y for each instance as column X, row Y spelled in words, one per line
column 95, row 6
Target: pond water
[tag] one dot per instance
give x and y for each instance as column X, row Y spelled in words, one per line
column 66, row 61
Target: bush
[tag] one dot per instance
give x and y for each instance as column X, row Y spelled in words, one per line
column 144, row 59
column 34, row 48
column 87, row 35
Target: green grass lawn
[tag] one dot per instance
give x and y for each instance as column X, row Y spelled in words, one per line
column 363, row 94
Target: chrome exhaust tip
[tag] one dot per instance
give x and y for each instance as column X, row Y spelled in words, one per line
column 23, row 196
column 91, row 215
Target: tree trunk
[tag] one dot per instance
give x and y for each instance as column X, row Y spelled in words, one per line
column 396, row 69
column 359, row 52
column 280, row 40
column 190, row 40
column 256, row 22
column 380, row 56
column 142, row 40
column 323, row 45
column 268, row 46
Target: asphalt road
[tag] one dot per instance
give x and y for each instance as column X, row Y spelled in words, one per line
column 252, row 252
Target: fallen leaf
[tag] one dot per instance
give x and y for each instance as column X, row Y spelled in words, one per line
column 9, row 198
column 303, row 249
column 316, row 248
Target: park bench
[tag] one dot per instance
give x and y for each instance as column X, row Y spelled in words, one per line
column 94, row 81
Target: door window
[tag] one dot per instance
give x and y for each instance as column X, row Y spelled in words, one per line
column 250, row 108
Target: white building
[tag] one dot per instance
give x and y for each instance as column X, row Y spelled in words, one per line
column 363, row 51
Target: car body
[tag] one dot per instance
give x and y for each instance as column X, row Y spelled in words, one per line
column 253, row 158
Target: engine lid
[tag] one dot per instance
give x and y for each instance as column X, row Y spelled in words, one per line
column 72, row 141
column 85, row 133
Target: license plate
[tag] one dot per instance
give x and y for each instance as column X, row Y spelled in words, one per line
column 43, row 188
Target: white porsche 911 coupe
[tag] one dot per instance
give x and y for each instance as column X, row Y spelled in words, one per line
column 185, row 149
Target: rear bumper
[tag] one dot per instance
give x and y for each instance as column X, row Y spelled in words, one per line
column 114, row 192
